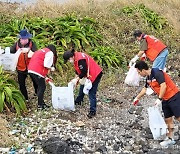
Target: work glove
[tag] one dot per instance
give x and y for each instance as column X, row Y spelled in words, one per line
column 157, row 102
column 135, row 101
column 143, row 57
column 74, row 81
column 25, row 50
column 48, row 80
column 133, row 60
column 52, row 69
column 82, row 81
column 30, row 54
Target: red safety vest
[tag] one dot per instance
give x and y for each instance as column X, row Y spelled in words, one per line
column 155, row 47
column 171, row 88
column 37, row 62
column 23, row 60
column 94, row 68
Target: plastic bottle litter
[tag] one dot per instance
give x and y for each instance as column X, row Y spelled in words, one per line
column 12, row 151
column 30, row 148
column 14, row 132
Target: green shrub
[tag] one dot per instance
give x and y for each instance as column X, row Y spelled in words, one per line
column 154, row 20
column 107, row 56
column 10, row 97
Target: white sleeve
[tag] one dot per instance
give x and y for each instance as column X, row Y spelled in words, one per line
column 48, row 60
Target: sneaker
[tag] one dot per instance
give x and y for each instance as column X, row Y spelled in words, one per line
column 42, row 107
column 78, row 103
column 167, row 141
column 91, row 114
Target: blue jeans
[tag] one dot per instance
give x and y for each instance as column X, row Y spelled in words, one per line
column 160, row 60
column 92, row 94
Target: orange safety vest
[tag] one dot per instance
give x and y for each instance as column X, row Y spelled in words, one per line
column 94, row 68
column 171, row 88
column 155, row 47
column 23, row 59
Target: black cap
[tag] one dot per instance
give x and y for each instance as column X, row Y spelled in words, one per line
column 67, row 55
column 137, row 33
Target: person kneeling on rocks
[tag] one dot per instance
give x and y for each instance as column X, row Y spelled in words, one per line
column 168, row 95
column 85, row 67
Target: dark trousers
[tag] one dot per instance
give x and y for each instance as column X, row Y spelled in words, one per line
column 92, row 93
column 41, row 87
column 22, row 75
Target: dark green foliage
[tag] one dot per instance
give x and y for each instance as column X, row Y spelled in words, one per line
column 107, row 56
column 10, row 97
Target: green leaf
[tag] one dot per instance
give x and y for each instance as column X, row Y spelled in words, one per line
column 2, row 97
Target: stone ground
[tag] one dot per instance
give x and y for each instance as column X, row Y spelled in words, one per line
column 118, row 127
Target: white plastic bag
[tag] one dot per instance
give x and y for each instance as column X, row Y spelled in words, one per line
column 132, row 78
column 156, row 122
column 87, row 86
column 9, row 61
column 63, row 97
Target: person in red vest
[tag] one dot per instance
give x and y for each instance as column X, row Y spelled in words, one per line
column 41, row 64
column 168, row 95
column 28, row 48
column 154, row 49
column 85, row 67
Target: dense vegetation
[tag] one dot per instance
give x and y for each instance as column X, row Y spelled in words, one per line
column 10, row 97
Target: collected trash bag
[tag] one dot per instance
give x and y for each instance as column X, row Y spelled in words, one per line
column 63, row 97
column 9, row 61
column 156, row 122
column 132, row 78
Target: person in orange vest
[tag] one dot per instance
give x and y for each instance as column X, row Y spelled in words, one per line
column 168, row 95
column 85, row 67
column 28, row 47
column 41, row 64
column 154, row 50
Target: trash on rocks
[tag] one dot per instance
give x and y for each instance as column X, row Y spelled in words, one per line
column 14, row 132
column 12, row 151
column 79, row 124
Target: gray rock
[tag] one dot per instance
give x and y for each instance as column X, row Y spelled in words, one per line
column 102, row 149
column 55, row 145
column 82, row 132
column 128, row 148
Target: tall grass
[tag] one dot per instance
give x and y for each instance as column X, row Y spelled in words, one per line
column 116, row 27
column 49, row 8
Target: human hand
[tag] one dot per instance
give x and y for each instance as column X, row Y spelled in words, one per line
column 52, row 69
column 48, row 80
column 135, row 101
column 25, row 50
column 74, row 81
column 157, row 102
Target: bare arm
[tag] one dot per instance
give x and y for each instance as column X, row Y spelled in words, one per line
column 162, row 89
column 140, row 53
column 142, row 93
